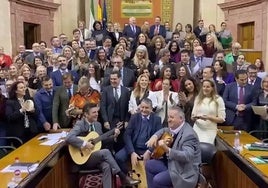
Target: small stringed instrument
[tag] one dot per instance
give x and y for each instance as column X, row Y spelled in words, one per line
column 159, row 151
column 80, row 156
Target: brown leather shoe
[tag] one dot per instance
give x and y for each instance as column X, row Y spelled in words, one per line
column 128, row 181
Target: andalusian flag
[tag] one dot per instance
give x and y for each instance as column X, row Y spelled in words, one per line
column 99, row 11
column 104, row 15
column 91, row 16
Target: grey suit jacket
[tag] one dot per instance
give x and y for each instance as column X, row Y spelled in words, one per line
column 60, row 105
column 184, row 157
column 81, row 127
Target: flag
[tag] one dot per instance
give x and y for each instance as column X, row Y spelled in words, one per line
column 99, row 11
column 91, row 16
column 104, row 15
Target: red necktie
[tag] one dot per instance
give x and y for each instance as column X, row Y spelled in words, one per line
column 241, row 95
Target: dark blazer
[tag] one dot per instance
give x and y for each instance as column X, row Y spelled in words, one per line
column 133, row 129
column 60, row 105
column 230, row 97
column 257, row 84
column 107, row 104
column 30, row 58
column 44, row 103
column 56, row 77
column 16, row 120
column 127, row 32
column 162, row 31
column 114, row 39
column 128, row 77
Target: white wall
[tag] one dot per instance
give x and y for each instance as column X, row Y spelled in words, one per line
column 211, row 12
column 5, row 25
column 183, row 12
column 65, row 19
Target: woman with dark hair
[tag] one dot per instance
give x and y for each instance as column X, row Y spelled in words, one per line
column 21, row 113
column 221, row 75
column 175, row 55
column 37, row 61
column 80, row 62
column 98, row 33
column 102, row 60
column 165, row 100
column 165, row 73
column 259, row 64
column 189, row 90
column 182, row 72
column 93, row 74
column 189, row 36
column 157, row 43
column 208, row 111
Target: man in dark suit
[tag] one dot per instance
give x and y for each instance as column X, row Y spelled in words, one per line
column 114, row 105
column 44, row 102
column 140, row 128
column 157, row 28
column 103, row 158
column 180, row 165
column 127, row 75
column 253, row 79
column 200, row 31
column 61, row 102
column 56, row 76
column 239, row 96
column 132, row 31
column 36, row 52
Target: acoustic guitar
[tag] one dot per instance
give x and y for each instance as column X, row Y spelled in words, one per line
column 80, row 156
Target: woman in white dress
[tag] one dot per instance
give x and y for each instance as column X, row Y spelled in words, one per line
column 165, row 100
column 208, row 110
column 141, row 91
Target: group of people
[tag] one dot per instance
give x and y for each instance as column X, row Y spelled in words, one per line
column 149, row 80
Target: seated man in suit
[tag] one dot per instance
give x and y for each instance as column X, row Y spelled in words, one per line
column 238, row 97
column 141, row 127
column 179, row 166
column 103, row 158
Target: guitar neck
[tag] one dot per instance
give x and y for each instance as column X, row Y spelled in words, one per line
column 103, row 136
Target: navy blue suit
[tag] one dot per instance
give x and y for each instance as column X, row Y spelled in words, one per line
column 56, row 77
column 132, row 134
column 162, row 31
column 44, row 103
column 127, row 32
column 230, row 97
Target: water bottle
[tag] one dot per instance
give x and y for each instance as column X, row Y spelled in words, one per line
column 237, row 141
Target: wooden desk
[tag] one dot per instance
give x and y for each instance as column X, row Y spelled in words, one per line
column 32, row 151
column 233, row 169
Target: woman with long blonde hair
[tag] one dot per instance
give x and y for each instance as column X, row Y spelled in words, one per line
column 141, row 91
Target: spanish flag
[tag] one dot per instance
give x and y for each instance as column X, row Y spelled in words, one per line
column 99, row 11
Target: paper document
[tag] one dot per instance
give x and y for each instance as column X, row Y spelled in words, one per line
column 23, row 167
column 259, row 110
column 51, row 142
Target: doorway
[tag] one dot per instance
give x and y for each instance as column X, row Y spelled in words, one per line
column 32, row 34
column 246, row 35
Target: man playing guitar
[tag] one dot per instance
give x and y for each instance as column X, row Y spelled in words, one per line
column 101, row 159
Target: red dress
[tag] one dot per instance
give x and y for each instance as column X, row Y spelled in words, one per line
column 5, row 61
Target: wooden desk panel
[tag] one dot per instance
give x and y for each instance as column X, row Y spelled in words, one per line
column 237, row 170
column 28, row 152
